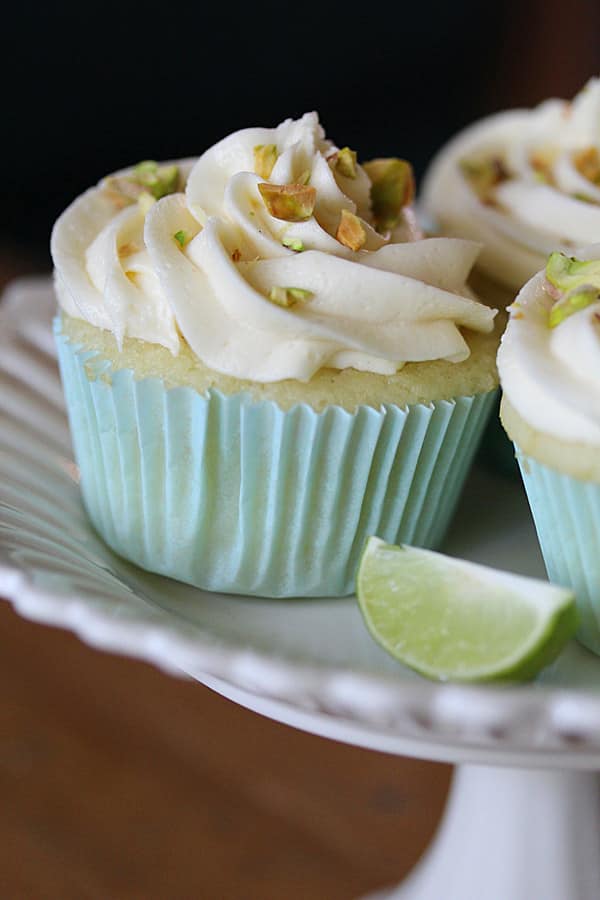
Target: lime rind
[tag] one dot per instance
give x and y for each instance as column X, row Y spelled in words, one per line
column 453, row 620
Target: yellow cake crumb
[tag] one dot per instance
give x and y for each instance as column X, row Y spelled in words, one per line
column 422, row 382
column 580, row 461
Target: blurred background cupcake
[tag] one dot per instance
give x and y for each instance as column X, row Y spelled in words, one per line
column 524, row 182
column 549, row 363
column 264, row 363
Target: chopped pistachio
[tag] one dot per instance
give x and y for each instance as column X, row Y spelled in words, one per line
column 158, row 180
column 148, row 181
column 573, row 283
column 587, row 163
column 265, row 157
column 350, row 231
column 289, row 296
column 168, row 183
column 293, row 243
column 290, row 202
column 392, row 187
column 484, row 174
column 145, row 171
column 345, row 162
column 181, row 238
column 567, row 272
column 576, row 300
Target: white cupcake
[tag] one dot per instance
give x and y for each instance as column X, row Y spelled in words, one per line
column 549, row 364
column 524, row 183
column 264, row 364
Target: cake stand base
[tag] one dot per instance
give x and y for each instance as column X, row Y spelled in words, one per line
column 512, row 834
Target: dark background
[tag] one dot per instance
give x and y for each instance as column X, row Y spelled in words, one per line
column 89, row 88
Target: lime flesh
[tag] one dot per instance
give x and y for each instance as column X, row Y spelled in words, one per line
column 453, row 620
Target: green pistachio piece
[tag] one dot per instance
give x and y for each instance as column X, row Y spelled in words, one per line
column 345, row 162
column 293, row 243
column 392, row 187
column 265, row 157
column 350, row 231
column 168, row 181
column 289, row 296
column 146, row 171
column 157, row 180
column 566, row 272
column 573, row 302
column 484, row 174
column 290, row 202
column 148, row 180
column 181, row 238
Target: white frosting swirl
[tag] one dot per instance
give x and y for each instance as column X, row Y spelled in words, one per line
column 551, row 376
column 528, row 219
column 396, row 300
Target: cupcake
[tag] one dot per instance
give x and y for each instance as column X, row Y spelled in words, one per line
column 549, row 364
column 264, row 362
column 524, row 183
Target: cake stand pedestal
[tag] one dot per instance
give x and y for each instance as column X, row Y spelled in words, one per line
column 530, row 832
column 512, row 834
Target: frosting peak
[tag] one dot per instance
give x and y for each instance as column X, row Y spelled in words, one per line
column 269, row 263
column 550, row 365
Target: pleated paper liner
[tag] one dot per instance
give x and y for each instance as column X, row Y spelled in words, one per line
column 566, row 513
column 238, row 496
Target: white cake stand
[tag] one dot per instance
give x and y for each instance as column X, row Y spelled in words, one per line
column 523, row 818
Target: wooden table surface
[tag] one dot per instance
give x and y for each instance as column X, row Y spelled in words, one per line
column 118, row 782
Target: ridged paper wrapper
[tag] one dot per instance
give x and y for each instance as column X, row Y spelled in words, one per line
column 566, row 512
column 238, row 496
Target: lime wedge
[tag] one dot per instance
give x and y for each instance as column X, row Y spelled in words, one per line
column 454, row 620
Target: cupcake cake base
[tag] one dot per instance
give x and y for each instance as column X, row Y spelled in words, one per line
column 232, row 490
column 565, row 505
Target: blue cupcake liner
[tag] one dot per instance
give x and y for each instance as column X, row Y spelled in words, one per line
column 566, row 513
column 237, row 496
